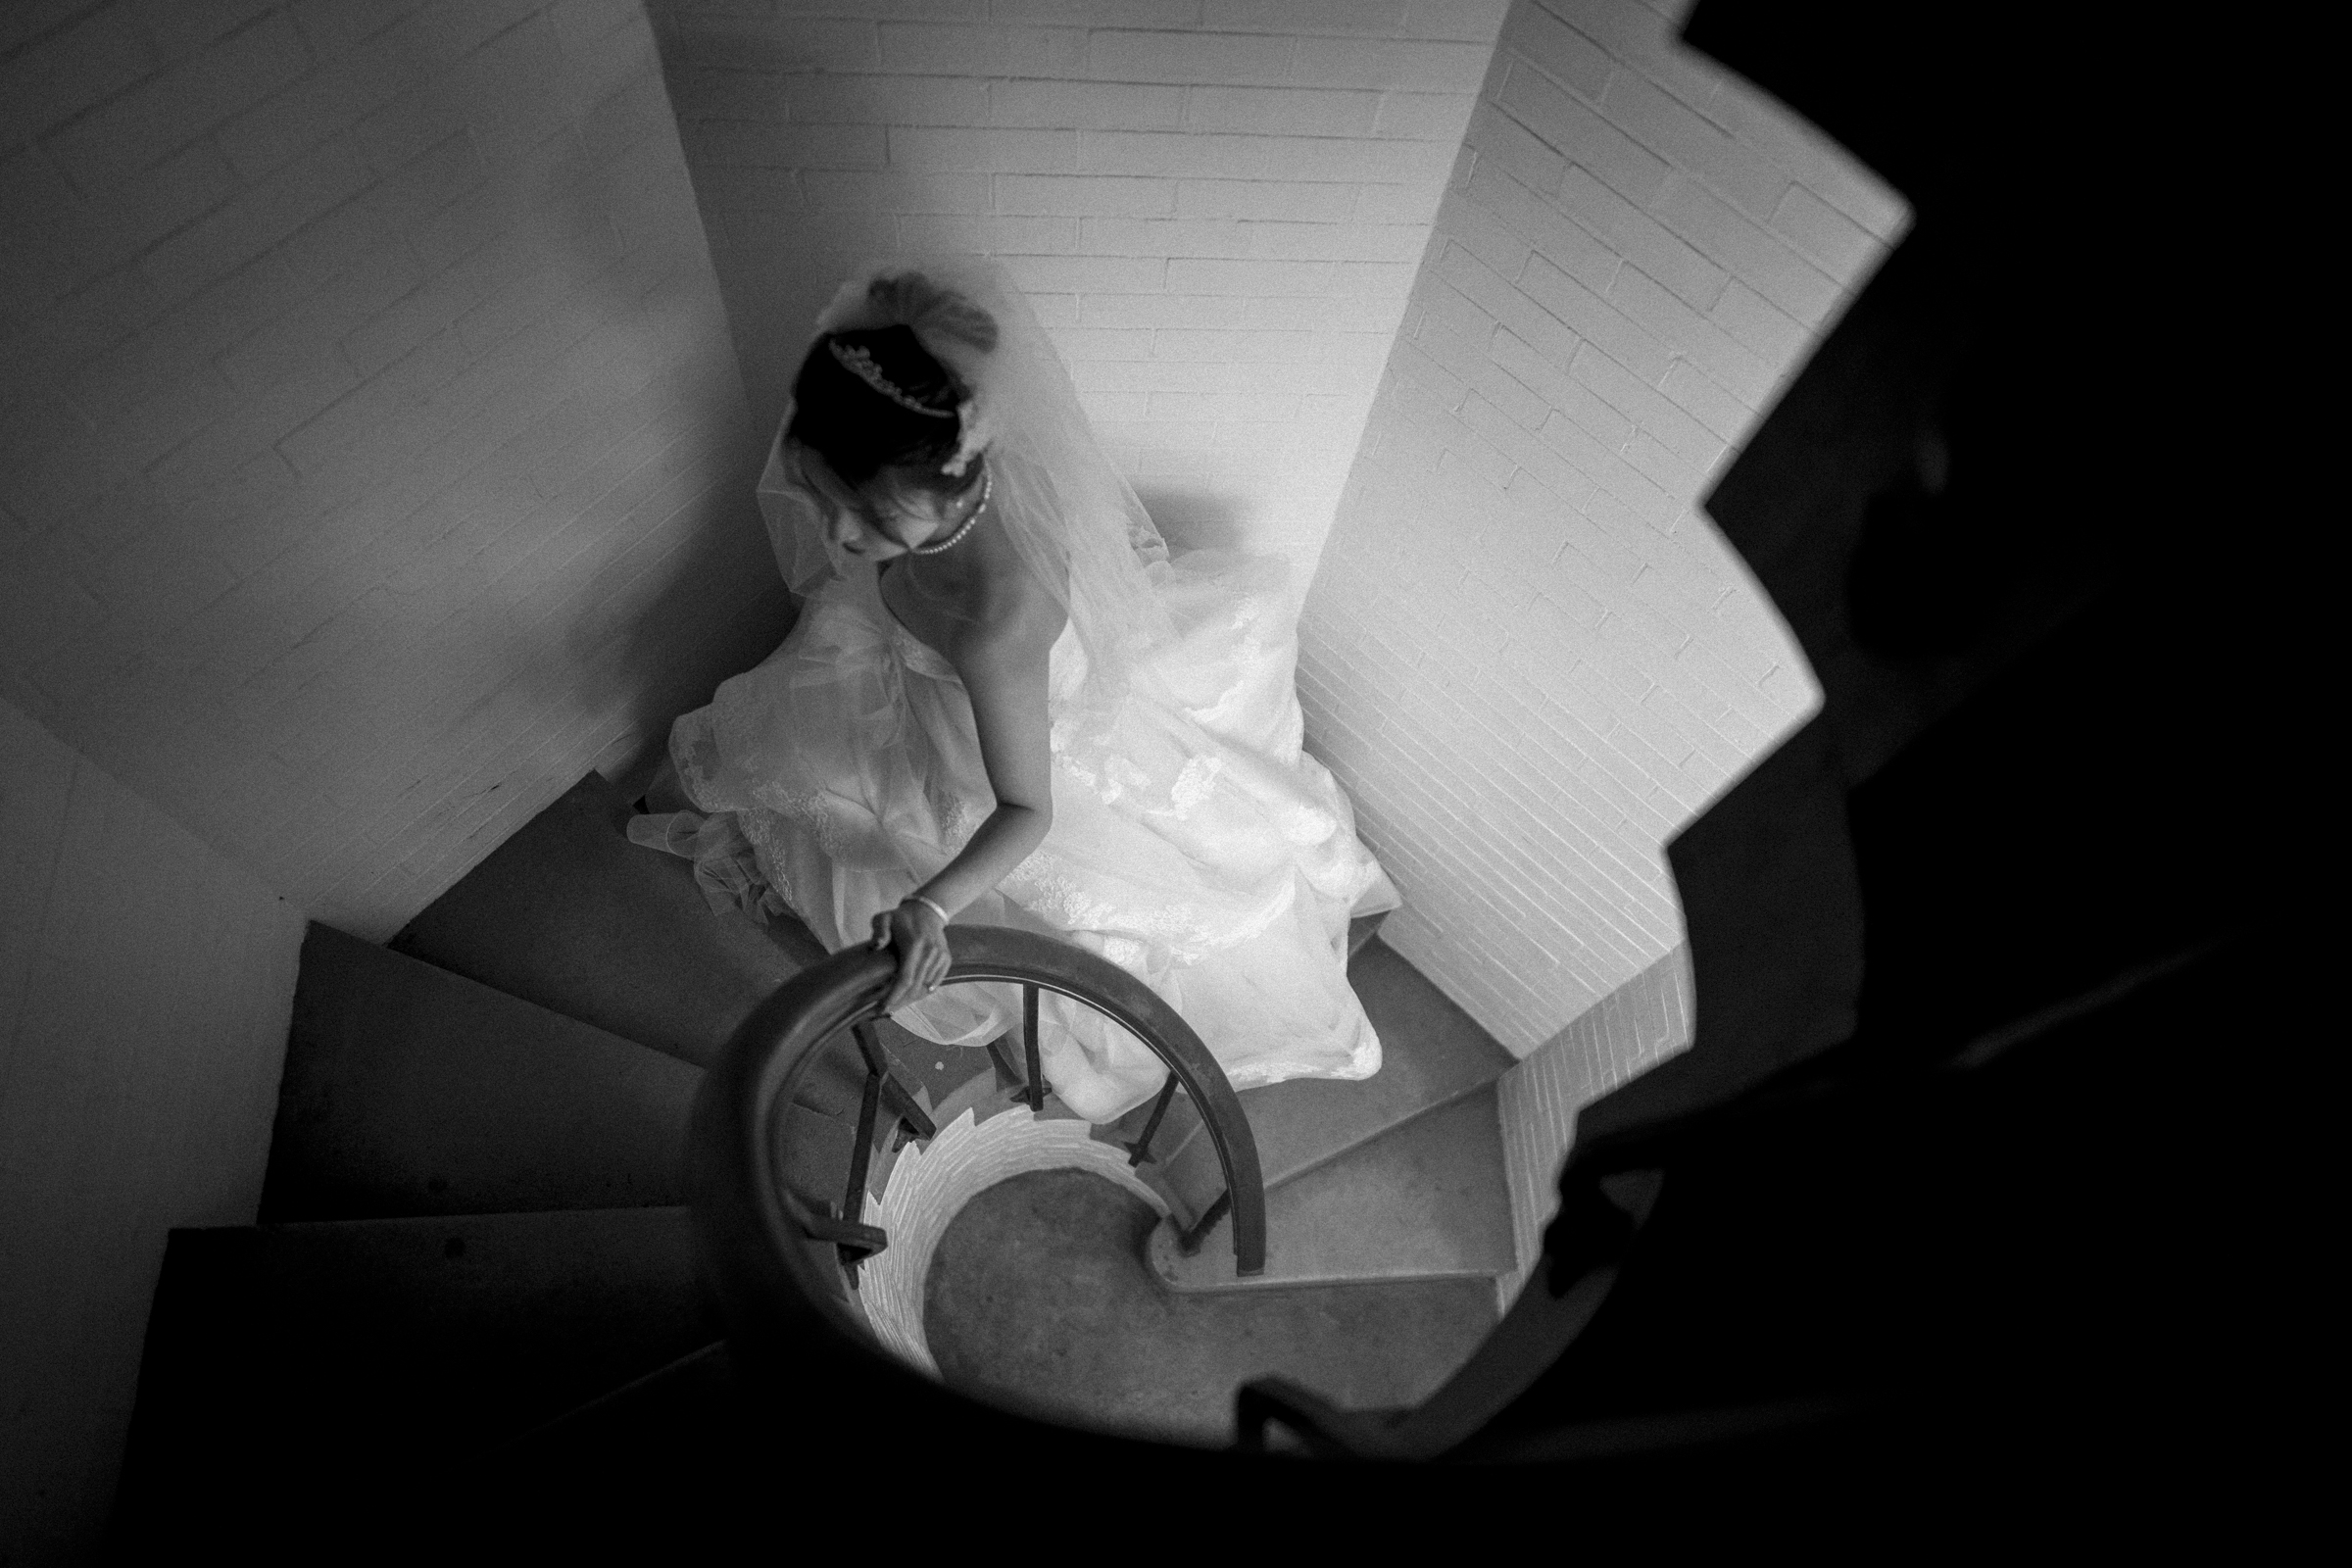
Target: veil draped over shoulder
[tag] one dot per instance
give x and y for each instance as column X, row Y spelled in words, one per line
column 1194, row 843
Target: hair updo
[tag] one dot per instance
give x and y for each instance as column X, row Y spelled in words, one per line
column 861, row 431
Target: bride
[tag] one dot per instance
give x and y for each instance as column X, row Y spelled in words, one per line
column 1004, row 702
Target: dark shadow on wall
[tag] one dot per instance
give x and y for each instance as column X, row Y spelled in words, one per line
column 727, row 639
column 1977, row 508
column 1968, row 1192
column 1195, row 519
column 687, row 593
column 781, row 247
column 387, row 580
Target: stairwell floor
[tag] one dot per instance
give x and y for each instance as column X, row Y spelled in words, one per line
column 1039, row 1295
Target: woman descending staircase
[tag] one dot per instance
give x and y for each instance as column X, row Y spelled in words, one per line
column 472, row 1247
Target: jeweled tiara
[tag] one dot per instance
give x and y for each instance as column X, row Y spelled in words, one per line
column 860, row 363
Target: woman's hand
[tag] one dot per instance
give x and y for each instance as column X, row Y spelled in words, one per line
column 920, row 937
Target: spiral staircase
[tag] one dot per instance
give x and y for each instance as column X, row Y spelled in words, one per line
column 1951, row 1208
column 474, row 1228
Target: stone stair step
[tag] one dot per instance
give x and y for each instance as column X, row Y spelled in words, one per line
column 1040, row 1296
column 1432, row 1053
column 1423, row 1200
column 675, row 1405
column 571, row 917
column 569, row 914
column 369, row 1358
column 409, row 1090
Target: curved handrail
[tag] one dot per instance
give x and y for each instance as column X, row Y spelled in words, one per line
column 769, row 1273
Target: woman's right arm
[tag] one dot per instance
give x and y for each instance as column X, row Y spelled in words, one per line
column 1005, row 666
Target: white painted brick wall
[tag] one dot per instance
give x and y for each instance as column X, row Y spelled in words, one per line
column 373, row 459
column 1216, row 205
column 146, row 985
column 930, row 1185
column 1527, row 654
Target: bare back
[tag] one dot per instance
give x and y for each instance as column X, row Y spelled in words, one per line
column 997, row 624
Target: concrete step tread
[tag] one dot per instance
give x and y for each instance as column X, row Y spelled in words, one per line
column 1427, row 1200
column 409, row 1090
column 672, row 1403
column 323, row 1352
column 571, row 917
column 569, row 914
column 1432, row 1054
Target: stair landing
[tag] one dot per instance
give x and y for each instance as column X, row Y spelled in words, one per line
column 408, row 1090
column 569, row 914
column 1038, row 1298
column 1432, row 1055
column 1424, row 1201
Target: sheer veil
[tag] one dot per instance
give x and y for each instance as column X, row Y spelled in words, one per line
column 1074, row 519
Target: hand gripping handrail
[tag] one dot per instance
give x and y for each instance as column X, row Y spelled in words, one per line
column 773, row 1265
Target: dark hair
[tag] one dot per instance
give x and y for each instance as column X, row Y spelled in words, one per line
column 858, row 430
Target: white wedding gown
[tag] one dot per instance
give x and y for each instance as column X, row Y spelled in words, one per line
column 1193, row 843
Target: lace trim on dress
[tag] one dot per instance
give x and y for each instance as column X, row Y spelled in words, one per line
column 1195, row 784
column 807, row 807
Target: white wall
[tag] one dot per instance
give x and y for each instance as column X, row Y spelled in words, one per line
column 1528, row 656
column 930, row 1184
column 146, row 985
column 372, row 462
column 1217, row 206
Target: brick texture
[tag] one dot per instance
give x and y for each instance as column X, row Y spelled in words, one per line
column 1216, row 208
column 373, row 459
column 1528, row 655
column 928, row 1188
column 146, row 984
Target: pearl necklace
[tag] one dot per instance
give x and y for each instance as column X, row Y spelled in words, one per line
column 987, row 488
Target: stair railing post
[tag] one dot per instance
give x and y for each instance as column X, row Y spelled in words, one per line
column 853, row 1206
column 1141, row 1149
column 1036, row 1094
column 897, row 1098
column 753, row 1230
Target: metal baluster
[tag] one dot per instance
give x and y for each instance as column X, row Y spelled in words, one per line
column 1141, row 1149
column 1036, row 1095
column 821, row 1224
column 853, row 1206
column 1009, row 1076
column 897, row 1098
column 909, row 1122
column 1189, row 1242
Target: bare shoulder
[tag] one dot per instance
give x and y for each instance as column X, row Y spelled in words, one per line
column 1009, row 631
column 1017, row 613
